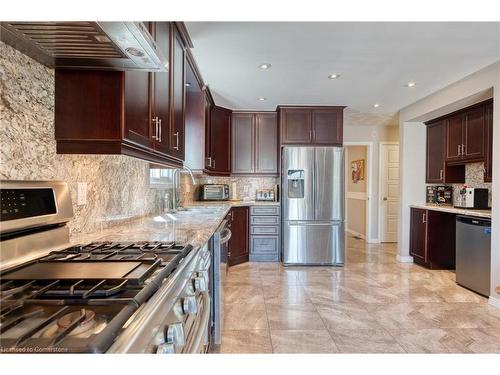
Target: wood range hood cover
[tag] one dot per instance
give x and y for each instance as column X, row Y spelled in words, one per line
column 86, row 45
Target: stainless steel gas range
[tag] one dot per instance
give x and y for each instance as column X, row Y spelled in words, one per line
column 113, row 297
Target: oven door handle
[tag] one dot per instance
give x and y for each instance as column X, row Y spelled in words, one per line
column 226, row 237
column 198, row 339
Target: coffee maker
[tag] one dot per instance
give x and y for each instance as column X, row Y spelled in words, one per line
column 476, row 198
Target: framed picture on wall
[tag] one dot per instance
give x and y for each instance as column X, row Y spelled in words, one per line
column 358, row 170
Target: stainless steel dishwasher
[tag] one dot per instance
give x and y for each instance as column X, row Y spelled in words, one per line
column 473, row 251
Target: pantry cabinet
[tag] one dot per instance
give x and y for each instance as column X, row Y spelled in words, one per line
column 304, row 125
column 218, row 146
column 254, row 143
column 135, row 113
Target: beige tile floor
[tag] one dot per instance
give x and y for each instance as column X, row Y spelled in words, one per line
column 372, row 305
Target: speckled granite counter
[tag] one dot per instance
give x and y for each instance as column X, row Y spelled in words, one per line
column 454, row 210
column 194, row 226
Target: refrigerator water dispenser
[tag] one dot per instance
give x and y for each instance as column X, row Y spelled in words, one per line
column 295, row 183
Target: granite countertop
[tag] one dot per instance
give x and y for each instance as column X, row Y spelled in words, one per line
column 194, row 226
column 454, row 210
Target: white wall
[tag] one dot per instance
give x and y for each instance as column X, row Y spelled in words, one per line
column 412, row 153
column 374, row 134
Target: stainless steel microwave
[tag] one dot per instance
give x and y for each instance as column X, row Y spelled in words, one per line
column 214, row 192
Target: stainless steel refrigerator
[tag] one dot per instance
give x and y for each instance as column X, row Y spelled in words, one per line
column 313, row 205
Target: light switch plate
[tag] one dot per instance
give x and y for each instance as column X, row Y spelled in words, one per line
column 81, row 193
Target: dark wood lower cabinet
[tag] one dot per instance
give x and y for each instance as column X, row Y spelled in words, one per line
column 238, row 244
column 432, row 238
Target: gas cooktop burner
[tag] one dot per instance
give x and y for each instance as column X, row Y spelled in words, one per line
column 45, row 301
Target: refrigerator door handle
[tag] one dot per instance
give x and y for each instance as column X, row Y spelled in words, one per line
column 313, row 223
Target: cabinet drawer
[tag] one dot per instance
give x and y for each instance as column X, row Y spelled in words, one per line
column 264, row 220
column 265, row 210
column 264, row 244
column 273, row 230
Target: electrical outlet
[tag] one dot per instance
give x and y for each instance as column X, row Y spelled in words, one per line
column 81, row 194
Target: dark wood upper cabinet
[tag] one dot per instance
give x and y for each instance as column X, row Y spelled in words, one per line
column 243, row 143
column 488, row 164
column 296, row 126
column 178, row 62
column 161, row 91
column 238, row 251
column 327, row 126
column 266, row 143
column 254, row 143
column 132, row 112
column 454, row 138
column 219, row 159
column 311, row 125
column 437, row 171
column 474, row 134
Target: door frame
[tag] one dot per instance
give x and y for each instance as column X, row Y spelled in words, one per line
column 369, row 169
column 388, row 143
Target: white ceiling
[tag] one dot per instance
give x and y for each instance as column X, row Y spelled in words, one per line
column 375, row 61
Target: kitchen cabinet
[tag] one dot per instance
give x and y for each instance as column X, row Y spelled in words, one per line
column 432, row 238
column 488, row 164
column 466, row 136
column 311, row 125
column 265, row 233
column 177, row 58
column 238, row 244
column 254, row 143
column 436, row 169
column 219, row 141
column 133, row 113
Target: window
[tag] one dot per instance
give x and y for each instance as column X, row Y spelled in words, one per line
column 160, row 178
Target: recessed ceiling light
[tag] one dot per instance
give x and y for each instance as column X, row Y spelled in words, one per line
column 265, row 66
column 376, row 105
column 262, row 99
column 410, row 84
column 334, row 76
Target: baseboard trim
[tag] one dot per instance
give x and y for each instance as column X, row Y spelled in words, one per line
column 495, row 302
column 404, row 259
column 354, row 233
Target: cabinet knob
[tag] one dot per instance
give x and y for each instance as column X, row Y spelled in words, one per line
column 165, row 348
column 190, row 305
column 385, row 198
column 175, row 334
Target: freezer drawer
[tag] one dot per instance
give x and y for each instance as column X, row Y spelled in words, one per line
column 313, row 243
column 473, row 250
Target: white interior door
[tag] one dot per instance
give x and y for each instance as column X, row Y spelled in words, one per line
column 389, row 192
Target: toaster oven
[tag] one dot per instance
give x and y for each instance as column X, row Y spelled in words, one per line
column 214, row 192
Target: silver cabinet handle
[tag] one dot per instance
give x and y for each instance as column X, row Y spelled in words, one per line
column 424, row 218
column 464, row 150
column 209, row 161
column 159, row 130
column 441, row 175
column 176, row 147
column 214, row 164
column 459, row 147
column 155, row 120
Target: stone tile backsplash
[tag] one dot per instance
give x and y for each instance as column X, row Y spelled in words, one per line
column 118, row 186
column 474, row 177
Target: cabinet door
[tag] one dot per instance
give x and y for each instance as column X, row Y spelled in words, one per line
column 220, row 141
column 418, row 235
column 435, row 152
column 474, row 134
column 242, row 144
column 296, row 127
column 208, row 132
column 138, row 123
column 266, row 143
column 238, row 244
column 488, row 165
column 327, row 126
column 161, row 91
column 454, row 138
column 177, row 68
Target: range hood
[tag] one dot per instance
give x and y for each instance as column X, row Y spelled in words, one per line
column 86, row 45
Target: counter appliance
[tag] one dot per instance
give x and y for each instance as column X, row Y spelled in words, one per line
column 476, row 198
column 214, row 192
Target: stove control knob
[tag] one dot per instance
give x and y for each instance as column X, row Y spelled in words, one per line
column 175, row 334
column 200, row 284
column 165, row 348
column 190, row 305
